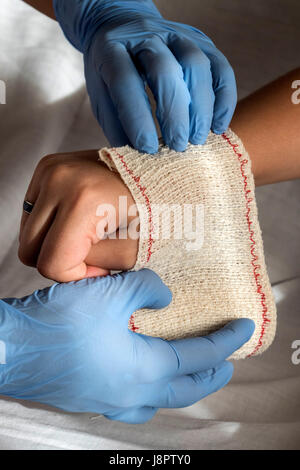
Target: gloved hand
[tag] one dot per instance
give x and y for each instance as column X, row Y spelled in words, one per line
column 69, row 346
column 126, row 44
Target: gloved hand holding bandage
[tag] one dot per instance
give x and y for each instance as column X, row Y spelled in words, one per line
column 69, row 346
column 126, row 44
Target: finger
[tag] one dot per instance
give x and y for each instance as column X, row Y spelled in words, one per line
column 149, row 290
column 194, row 354
column 103, row 107
column 224, row 85
column 189, row 389
column 66, row 245
column 114, row 254
column 31, row 196
column 35, row 229
column 166, row 359
column 165, row 79
column 126, row 292
column 129, row 97
column 198, row 78
column 133, row 415
column 135, row 290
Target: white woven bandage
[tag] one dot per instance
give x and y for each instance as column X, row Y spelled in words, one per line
column 207, row 246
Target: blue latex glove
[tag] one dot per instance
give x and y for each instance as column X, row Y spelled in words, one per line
column 126, row 44
column 69, row 346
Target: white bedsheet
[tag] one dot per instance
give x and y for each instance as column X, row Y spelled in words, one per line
column 47, row 111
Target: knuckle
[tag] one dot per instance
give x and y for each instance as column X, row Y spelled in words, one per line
column 45, row 162
column 195, row 58
column 146, row 23
column 164, row 68
column 40, row 168
column 55, row 167
column 151, row 41
column 47, row 158
column 47, row 269
column 84, row 198
column 58, row 171
column 110, row 48
column 56, row 174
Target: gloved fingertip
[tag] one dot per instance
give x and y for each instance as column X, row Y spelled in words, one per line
column 159, row 295
column 199, row 139
column 147, row 144
column 242, row 325
column 249, row 325
column 178, row 145
column 147, row 149
column 221, row 122
column 165, row 298
column 219, row 130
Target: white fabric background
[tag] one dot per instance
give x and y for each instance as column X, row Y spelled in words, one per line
column 47, row 111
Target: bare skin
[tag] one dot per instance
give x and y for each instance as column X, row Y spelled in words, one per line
column 44, row 6
column 60, row 238
column 268, row 123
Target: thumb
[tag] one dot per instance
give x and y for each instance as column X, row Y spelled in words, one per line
column 140, row 289
column 119, row 295
column 150, row 291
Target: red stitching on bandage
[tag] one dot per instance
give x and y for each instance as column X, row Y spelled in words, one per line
column 132, row 325
column 142, row 189
column 253, row 243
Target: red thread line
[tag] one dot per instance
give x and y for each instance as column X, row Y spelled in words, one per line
column 132, row 325
column 142, row 189
column 256, row 267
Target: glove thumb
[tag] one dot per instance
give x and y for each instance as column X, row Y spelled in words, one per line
column 141, row 289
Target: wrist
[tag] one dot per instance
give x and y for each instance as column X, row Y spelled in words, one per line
column 81, row 19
